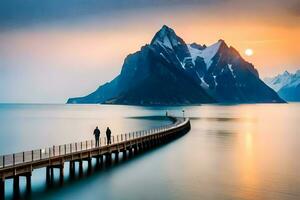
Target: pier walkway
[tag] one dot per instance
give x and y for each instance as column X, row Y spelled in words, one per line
column 22, row 164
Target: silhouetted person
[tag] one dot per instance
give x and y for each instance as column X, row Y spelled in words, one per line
column 97, row 136
column 108, row 135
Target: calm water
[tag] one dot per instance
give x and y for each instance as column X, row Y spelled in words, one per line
column 232, row 152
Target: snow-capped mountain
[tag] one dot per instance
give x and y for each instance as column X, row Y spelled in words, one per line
column 286, row 84
column 170, row 72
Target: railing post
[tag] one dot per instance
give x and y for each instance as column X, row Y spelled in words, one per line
column 117, row 138
column 3, row 161
column 14, row 159
column 40, row 154
column 23, row 156
column 121, row 137
column 71, row 146
column 113, row 139
column 49, row 151
column 86, row 144
column 75, row 146
column 59, row 150
column 32, row 155
column 65, row 148
column 80, row 146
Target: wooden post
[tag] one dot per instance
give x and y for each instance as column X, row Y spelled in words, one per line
column 108, row 158
column 89, row 165
column 28, row 182
column 16, row 184
column 101, row 159
column 72, row 169
column 47, row 174
column 23, row 156
column 130, row 151
column 2, row 188
column 61, row 173
column 80, row 168
column 32, row 155
column 51, row 174
column 14, row 159
column 40, row 154
column 65, row 149
column 124, row 154
column 117, row 156
column 97, row 162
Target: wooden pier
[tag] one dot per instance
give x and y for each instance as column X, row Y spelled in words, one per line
column 13, row 166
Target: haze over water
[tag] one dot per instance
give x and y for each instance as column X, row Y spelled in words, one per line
column 232, row 152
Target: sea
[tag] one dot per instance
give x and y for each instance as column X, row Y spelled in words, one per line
column 232, row 152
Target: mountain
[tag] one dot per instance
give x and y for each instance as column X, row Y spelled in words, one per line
column 286, row 84
column 170, row 72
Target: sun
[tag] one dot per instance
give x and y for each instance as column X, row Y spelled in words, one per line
column 249, row 52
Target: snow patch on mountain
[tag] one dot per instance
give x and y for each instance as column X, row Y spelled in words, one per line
column 231, row 70
column 207, row 54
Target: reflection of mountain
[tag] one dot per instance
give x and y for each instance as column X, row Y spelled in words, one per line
column 170, row 72
column 287, row 85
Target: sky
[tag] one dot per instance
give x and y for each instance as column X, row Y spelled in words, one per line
column 51, row 50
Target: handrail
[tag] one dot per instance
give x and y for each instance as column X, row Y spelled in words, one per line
column 15, row 159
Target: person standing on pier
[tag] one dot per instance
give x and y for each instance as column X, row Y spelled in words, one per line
column 97, row 136
column 108, row 135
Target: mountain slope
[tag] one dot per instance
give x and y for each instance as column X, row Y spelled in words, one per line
column 170, row 72
column 286, row 84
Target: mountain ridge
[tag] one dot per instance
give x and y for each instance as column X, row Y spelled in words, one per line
column 170, row 72
column 287, row 85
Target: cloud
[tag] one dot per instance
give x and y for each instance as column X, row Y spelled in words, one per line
column 20, row 13
column 294, row 8
column 15, row 13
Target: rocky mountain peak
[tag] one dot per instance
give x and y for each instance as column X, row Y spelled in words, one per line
column 167, row 37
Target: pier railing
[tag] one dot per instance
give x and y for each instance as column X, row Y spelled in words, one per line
column 15, row 159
